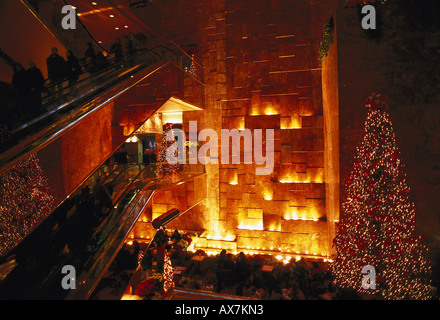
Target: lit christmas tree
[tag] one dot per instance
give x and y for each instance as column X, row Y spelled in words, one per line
column 192, row 68
column 24, row 202
column 378, row 222
column 168, row 151
column 168, row 273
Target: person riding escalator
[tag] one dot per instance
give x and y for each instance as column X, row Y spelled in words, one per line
column 103, row 199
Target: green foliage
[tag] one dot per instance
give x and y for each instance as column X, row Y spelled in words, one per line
column 326, row 40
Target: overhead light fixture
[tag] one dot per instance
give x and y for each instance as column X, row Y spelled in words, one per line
column 94, row 3
column 111, row 16
column 116, row 28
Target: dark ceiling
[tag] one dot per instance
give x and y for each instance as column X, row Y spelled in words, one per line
column 107, row 19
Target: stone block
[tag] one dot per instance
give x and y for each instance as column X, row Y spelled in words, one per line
column 315, row 159
column 262, row 122
column 255, row 213
column 286, row 154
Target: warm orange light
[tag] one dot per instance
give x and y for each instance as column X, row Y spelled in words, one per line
column 80, row 14
column 291, row 123
column 292, row 181
column 312, row 215
column 241, row 125
column 172, row 117
column 270, row 111
column 258, row 226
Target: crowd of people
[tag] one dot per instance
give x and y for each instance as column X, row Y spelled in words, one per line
column 238, row 274
column 243, row 275
column 30, row 84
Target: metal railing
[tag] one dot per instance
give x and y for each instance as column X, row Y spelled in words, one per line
column 62, row 113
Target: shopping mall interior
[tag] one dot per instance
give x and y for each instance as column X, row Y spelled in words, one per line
column 91, row 207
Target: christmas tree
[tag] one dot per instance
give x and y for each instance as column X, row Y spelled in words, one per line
column 168, row 152
column 377, row 227
column 24, row 202
column 168, row 273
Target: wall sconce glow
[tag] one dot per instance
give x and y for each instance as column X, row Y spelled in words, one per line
column 292, row 123
column 172, row 117
column 241, row 125
column 268, row 111
column 234, row 179
column 292, row 181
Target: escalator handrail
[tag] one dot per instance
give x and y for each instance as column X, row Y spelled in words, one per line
column 69, row 109
column 56, row 270
column 121, row 214
column 64, row 121
column 116, row 205
column 99, row 254
column 94, row 260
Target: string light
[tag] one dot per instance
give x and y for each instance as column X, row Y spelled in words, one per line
column 24, row 202
column 377, row 227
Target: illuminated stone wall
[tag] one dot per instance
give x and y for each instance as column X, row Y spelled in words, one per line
column 261, row 71
column 273, row 81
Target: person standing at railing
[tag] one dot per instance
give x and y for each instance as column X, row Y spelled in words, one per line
column 73, row 70
column 56, row 69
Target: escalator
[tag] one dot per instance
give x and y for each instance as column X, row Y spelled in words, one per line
column 80, row 241
column 47, row 247
column 99, row 85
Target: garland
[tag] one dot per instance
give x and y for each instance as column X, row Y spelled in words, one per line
column 326, row 40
